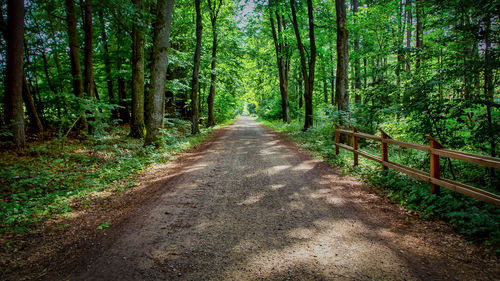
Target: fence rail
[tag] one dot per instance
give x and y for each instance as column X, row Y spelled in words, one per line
column 435, row 149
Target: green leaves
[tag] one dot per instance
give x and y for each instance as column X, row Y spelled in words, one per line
column 104, row 225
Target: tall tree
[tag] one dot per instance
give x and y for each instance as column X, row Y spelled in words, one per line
column 357, row 62
column 342, row 83
column 307, row 66
column 420, row 32
column 282, row 59
column 35, row 123
column 137, row 120
column 107, row 61
column 74, row 53
column 88, row 53
column 195, row 84
column 409, row 27
column 155, row 97
column 214, row 9
column 14, row 111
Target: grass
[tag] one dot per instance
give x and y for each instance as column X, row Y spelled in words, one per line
column 478, row 221
column 44, row 182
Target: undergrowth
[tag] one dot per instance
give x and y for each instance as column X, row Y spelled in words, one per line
column 478, row 221
column 44, row 182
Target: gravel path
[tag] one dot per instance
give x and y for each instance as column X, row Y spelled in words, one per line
column 253, row 207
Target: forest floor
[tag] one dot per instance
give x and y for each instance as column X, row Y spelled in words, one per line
column 249, row 205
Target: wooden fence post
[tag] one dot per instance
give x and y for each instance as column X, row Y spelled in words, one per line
column 355, row 145
column 435, row 165
column 384, row 155
column 337, row 139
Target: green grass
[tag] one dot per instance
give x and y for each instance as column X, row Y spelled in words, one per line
column 43, row 183
column 478, row 221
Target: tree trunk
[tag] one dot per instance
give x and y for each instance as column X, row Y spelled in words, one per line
column 301, row 90
column 74, row 53
column 107, row 62
column 214, row 12
column 137, row 120
column 342, row 90
column 357, row 63
column 342, row 84
column 36, row 124
column 282, row 62
column 88, row 54
column 409, row 27
column 420, row 32
column 155, row 97
column 196, row 71
column 489, row 89
column 307, row 70
column 14, row 112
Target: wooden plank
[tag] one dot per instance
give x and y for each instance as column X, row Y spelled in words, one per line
column 435, row 164
column 465, row 189
column 408, row 144
column 469, row 191
column 383, row 144
column 355, row 146
column 337, row 139
column 468, row 157
column 367, row 136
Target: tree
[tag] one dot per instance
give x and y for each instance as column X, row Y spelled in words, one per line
column 14, row 112
column 195, row 84
column 419, row 32
column 88, row 53
column 137, row 120
column 357, row 63
column 74, row 53
column 155, row 97
column 342, row 83
column 307, row 73
column 214, row 9
column 282, row 59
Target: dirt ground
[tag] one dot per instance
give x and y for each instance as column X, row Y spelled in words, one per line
column 249, row 205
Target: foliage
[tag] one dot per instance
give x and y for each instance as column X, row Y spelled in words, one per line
column 47, row 181
column 477, row 220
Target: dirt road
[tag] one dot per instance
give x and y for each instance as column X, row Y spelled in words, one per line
column 253, row 207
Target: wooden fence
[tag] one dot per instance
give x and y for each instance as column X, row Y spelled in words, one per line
column 435, row 149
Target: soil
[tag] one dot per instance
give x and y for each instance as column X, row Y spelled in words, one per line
column 249, row 205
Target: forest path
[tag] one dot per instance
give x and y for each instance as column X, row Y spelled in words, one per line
column 253, row 207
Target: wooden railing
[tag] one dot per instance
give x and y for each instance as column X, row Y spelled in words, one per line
column 435, row 149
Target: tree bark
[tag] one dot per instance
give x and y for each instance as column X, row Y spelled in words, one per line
column 196, row 71
column 409, row 26
column 137, row 120
column 155, row 97
column 14, row 112
column 214, row 9
column 74, row 53
column 88, row 54
column 420, row 32
column 357, row 63
column 341, row 89
column 35, row 122
column 308, row 66
column 107, row 61
column 489, row 89
column 282, row 62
